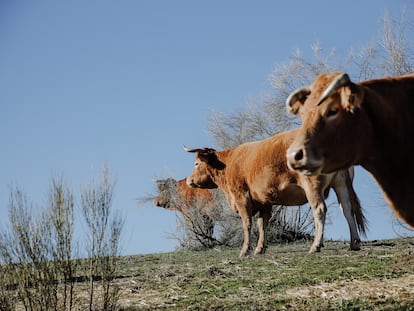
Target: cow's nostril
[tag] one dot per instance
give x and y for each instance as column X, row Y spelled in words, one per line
column 190, row 183
column 299, row 155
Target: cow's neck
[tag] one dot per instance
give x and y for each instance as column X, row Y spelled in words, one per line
column 218, row 175
column 398, row 187
column 390, row 157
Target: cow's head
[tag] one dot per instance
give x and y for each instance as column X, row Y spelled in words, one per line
column 167, row 189
column 332, row 124
column 205, row 167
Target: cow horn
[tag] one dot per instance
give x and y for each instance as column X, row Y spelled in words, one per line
column 191, row 149
column 340, row 81
column 298, row 94
column 200, row 150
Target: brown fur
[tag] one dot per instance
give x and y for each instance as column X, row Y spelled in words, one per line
column 176, row 195
column 254, row 176
column 187, row 196
column 373, row 127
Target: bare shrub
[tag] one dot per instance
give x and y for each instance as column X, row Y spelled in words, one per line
column 103, row 246
column 38, row 270
column 7, row 297
column 36, row 249
column 62, row 220
column 289, row 224
column 196, row 221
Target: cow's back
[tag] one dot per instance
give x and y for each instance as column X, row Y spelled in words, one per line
column 392, row 100
column 261, row 168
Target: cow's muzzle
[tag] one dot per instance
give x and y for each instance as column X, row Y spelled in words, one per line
column 300, row 160
column 191, row 183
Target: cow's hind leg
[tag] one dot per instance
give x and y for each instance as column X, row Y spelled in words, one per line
column 343, row 192
column 262, row 222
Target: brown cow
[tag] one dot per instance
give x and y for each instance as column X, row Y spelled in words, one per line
column 370, row 123
column 176, row 195
column 254, row 176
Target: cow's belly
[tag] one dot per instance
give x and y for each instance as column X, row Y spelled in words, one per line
column 291, row 194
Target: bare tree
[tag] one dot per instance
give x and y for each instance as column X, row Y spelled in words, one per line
column 258, row 120
column 398, row 59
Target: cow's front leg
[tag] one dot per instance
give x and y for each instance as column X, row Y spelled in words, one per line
column 319, row 214
column 262, row 223
column 246, row 218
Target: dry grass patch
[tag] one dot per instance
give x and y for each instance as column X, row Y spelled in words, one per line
column 378, row 289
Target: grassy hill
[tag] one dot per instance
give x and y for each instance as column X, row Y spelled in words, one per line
column 379, row 277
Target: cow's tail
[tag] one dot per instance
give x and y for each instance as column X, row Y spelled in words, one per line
column 356, row 208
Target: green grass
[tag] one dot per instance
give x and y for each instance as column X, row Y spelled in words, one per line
column 379, row 277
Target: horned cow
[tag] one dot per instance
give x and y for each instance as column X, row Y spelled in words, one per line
column 370, row 123
column 176, row 195
column 254, row 176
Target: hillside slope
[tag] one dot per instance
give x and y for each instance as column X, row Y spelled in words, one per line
column 380, row 276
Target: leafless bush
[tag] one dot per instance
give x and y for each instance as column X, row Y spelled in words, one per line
column 38, row 270
column 7, row 297
column 194, row 231
column 287, row 224
column 62, row 220
column 36, row 250
column 104, row 231
column 196, row 222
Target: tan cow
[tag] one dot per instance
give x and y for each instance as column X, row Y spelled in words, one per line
column 176, row 195
column 254, row 176
column 370, row 123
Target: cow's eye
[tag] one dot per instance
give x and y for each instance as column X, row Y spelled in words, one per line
column 332, row 112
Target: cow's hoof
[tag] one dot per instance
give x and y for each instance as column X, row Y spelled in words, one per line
column 244, row 254
column 259, row 252
column 314, row 249
column 356, row 246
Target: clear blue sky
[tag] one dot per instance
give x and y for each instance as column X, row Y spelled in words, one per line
column 127, row 83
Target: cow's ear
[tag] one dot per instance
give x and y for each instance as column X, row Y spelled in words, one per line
column 211, row 159
column 352, row 97
column 204, row 156
column 296, row 99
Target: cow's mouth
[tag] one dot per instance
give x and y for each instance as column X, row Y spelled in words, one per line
column 163, row 205
column 192, row 184
column 304, row 161
column 309, row 171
